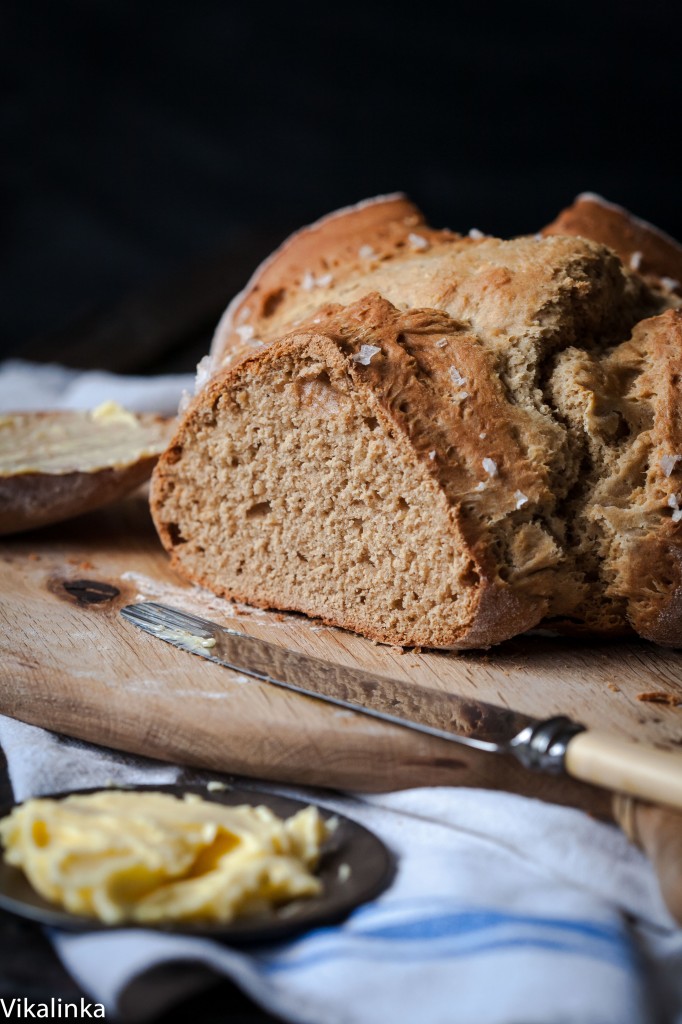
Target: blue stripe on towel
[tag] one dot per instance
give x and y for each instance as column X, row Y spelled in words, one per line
column 454, row 934
column 437, row 926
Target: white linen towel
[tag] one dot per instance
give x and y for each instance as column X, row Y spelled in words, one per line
column 504, row 911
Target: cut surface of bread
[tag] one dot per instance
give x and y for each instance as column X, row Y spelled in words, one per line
column 55, row 465
column 437, row 440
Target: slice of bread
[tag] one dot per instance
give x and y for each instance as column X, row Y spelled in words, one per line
column 55, row 465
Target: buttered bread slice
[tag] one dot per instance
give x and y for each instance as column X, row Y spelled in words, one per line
column 55, row 465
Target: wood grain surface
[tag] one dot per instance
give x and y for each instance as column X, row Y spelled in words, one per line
column 70, row 663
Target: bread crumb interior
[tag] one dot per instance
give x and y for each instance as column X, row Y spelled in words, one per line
column 301, row 482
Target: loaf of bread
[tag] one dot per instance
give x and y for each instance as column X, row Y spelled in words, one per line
column 437, row 440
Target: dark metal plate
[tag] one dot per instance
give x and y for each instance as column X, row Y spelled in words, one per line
column 371, row 866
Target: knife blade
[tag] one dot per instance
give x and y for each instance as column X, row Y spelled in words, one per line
column 553, row 745
column 471, row 723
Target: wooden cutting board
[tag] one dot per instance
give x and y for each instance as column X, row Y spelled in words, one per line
column 71, row 664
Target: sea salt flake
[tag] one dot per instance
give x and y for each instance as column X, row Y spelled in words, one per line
column 481, row 486
column 418, row 242
column 483, row 435
column 441, row 343
column 674, row 503
column 459, row 396
column 366, row 252
column 245, row 332
column 490, row 466
column 520, row 498
column 244, row 314
column 365, row 355
column 456, row 377
column 668, row 463
column 432, row 454
column 670, row 283
column 476, row 234
column 635, row 260
column 309, row 281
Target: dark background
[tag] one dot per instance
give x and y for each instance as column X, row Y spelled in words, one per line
column 152, row 154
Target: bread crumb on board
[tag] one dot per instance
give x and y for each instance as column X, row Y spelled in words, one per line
column 612, row 686
column 80, row 563
column 660, row 697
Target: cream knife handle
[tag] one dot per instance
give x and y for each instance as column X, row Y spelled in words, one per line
column 626, row 767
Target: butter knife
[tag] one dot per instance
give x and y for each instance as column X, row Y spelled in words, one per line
column 555, row 745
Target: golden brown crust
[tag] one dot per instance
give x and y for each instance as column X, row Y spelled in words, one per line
column 546, row 291
column 312, row 263
column 641, row 246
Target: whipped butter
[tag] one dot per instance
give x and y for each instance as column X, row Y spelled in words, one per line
column 126, row 856
column 112, row 412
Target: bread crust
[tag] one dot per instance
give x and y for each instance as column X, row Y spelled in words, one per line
column 549, row 291
column 40, row 499
column 311, row 260
column 641, row 246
